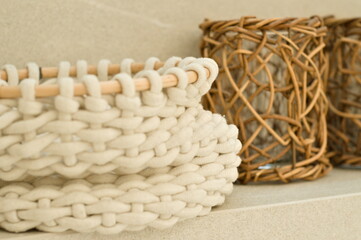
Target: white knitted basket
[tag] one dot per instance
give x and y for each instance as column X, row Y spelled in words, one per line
column 113, row 162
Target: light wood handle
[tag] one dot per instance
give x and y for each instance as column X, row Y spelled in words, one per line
column 107, row 87
column 52, row 72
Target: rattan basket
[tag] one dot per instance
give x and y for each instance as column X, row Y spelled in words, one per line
column 344, row 90
column 270, row 86
column 89, row 149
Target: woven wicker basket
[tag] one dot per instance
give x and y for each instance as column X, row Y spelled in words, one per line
column 344, row 90
column 109, row 153
column 270, row 86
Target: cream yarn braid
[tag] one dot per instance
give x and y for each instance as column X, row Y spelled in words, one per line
column 109, row 163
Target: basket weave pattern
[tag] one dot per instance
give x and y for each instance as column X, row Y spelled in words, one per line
column 270, row 86
column 109, row 163
column 344, row 90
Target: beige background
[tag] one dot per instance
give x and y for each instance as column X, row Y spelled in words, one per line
column 48, row 31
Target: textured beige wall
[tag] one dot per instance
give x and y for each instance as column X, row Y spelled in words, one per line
column 48, row 31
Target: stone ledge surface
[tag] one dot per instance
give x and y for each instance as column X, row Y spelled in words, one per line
column 329, row 208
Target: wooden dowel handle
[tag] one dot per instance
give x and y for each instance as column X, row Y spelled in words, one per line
column 52, row 72
column 107, row 87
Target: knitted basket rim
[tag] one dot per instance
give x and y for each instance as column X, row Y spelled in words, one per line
column 107, row 87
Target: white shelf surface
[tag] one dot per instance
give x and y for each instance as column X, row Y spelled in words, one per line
column 328, row 208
